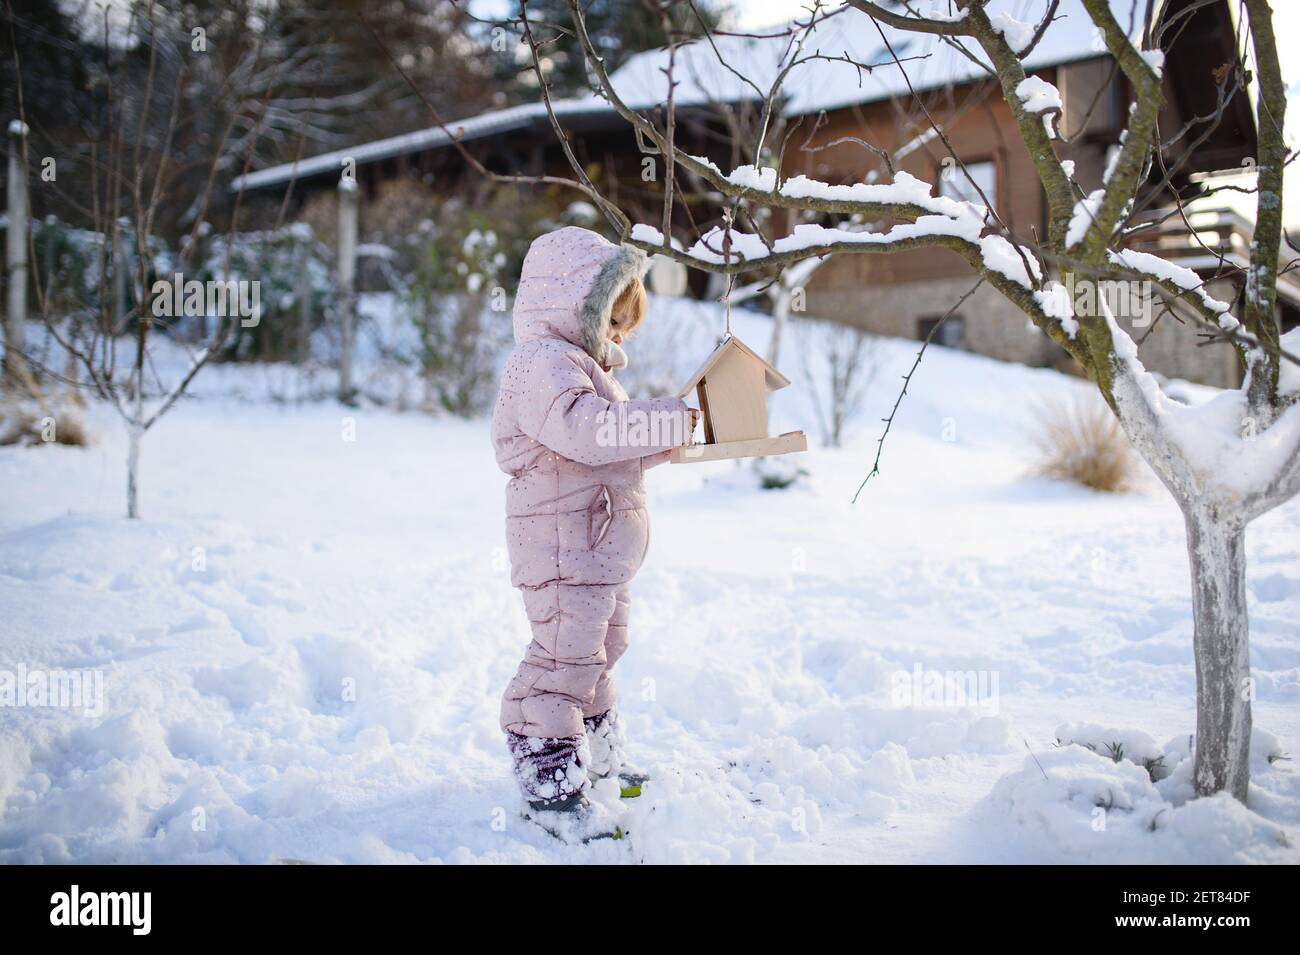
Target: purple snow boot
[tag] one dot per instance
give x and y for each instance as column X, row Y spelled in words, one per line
column 553, row 776
column 550, row 771
column 605, row 739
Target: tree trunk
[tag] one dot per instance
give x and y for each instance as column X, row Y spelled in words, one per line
column 1216, row 549
column 134, row 435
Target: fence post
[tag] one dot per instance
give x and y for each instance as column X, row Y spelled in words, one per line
column 302, row 252
column 348, row 199
column 16, row 253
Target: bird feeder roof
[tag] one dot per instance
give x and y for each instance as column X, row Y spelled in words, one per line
column 775, row 380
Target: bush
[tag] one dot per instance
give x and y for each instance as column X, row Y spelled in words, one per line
column 1081, row 442
column 23, row 422
column 458, row 308
column 286, row 262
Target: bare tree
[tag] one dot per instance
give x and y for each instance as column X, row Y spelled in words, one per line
column 1221, row 479
column 839, row 363
column 133, row 157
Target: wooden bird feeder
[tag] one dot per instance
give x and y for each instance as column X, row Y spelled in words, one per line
column 732, row 387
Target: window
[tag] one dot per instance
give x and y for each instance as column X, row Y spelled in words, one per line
column 956, row 184
column 949, row 334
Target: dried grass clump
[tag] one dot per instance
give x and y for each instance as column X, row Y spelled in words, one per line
column 23, row 422
column 1081, row 442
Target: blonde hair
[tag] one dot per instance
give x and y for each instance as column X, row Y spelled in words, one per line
column 628, row 310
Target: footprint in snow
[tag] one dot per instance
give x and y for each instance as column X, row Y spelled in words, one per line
column 1274, row 588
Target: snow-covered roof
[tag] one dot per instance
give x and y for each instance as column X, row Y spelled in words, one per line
column 705, row 76
column 476, row 127
column 825, row 84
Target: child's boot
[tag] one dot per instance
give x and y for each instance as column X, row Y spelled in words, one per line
column 549, row 769
column 574, row 819
column 552, row 773
column 605, row 740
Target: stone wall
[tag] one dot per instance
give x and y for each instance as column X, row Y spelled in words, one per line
column 992, row 326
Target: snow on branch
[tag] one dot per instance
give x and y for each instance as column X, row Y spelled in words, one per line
column 750, row 249
column 1042, row 98
column 1083, row 216
column 1176, row 278
column 943, row 217
column 905, row 189
column 1211, row 452
column 1017, row 33
column 864, row 197
column 1057, row 303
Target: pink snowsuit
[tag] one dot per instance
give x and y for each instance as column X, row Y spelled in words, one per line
column 576, row 523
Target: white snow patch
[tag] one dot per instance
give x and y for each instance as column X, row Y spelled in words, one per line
column 1216, row 437
column 944, row 15
column 905, row 188
column 1288, row 380
column 1054, row 299
column 705, row 161
column 1017, row 33
column 647, row 233
column 1179, row 275
column 751, row 247
column 279, row 564
column 1001, row 255
column 1085, row 213
column 1037, row 95
column 1115, row 744
column 1089, row 808
column 760, row 179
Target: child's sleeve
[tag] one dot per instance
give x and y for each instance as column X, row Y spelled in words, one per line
column 559, row 408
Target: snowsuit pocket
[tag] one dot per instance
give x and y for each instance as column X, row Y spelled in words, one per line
column 600, row 515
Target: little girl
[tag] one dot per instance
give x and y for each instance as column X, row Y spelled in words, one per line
column 576, row 523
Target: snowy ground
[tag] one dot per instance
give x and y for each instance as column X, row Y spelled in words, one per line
column 304, row 642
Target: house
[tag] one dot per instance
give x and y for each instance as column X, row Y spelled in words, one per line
column 851, row 101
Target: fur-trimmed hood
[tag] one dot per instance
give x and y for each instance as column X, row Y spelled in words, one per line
column 568, row 285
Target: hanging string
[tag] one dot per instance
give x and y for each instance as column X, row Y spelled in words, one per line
column 726, row 306
column 731, row 278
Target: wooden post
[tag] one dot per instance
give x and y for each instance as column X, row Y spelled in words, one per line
column 302, row 252
column 118, row 253
column 348, row 200
column 16, row 253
